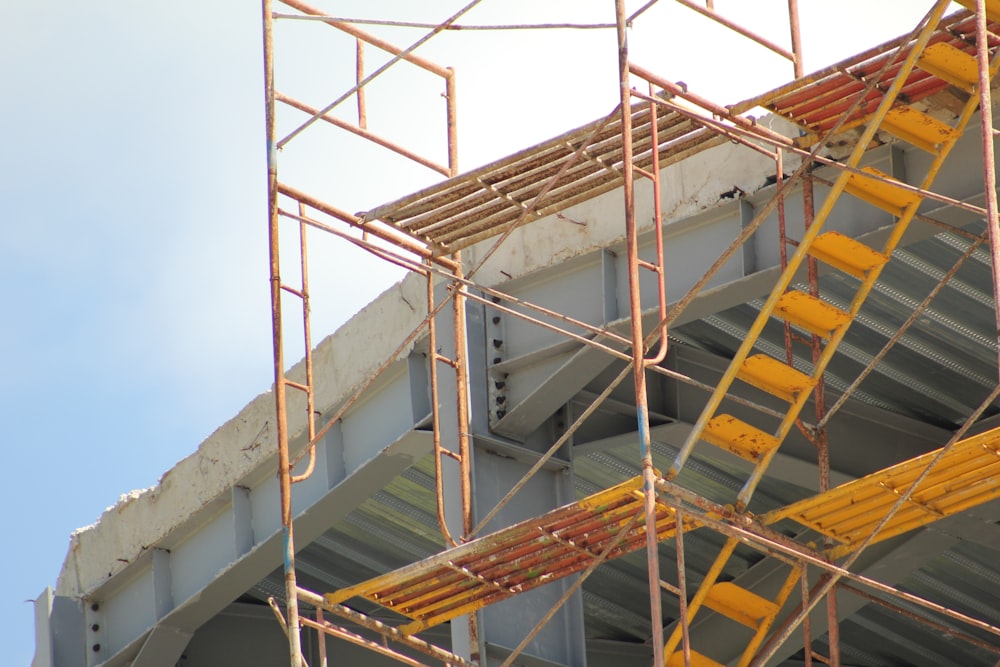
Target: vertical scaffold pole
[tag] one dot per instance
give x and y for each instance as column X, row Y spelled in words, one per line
column 796, row 35
column 989, row 170
column 638, row 350
column 280, row 404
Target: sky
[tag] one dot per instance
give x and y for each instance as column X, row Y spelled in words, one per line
column 133, row 233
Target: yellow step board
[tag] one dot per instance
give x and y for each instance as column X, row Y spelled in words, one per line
column 950, row 64
column 992, row 8
column 736, row 436
column 739, row 604
column 775, row 377
column 810, row 313
column 917, row 128
column 845, row 254
column 697, row 660
column 880, row 191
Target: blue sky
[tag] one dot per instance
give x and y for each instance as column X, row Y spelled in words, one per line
column 134, row 241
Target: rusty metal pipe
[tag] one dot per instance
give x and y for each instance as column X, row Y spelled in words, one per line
column 682, row 586
column 451, row 114
column 660, row 268
column 382, row 253
column 363, row 132
column 432, row 359
column 327, row 628
column 280, row 405
column 385, row 232
column 806, row 625
column 378, row 42
column 413, row 266
column 322, row 641
column 392, row 61
column 735, row 27
column 638, row 346
column 796, row 36
column 386, row 631
column 351, row 20
column 819, row 435
column 359, row 70
column 307, row 341
column 462, row 392
column 989, row 168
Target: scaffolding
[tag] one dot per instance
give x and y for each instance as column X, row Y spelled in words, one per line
column 657, row 123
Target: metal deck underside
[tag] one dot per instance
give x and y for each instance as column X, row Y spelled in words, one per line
column 368, row 511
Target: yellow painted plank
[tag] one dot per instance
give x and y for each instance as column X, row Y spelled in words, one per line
column 831, row 508
column 739, row 604
column 601, row 499
column 879, row 189
column 966, row 476
column 697, row 660
column 775, row 377
column 845, row 254
column 512, row 560
column 917, row 128
column 810, row 313
column 736, row 436
column 868, row 495
column 950, row 64
column 992, row 8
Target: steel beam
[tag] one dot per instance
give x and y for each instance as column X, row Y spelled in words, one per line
column 562, row 641
column 153, row 605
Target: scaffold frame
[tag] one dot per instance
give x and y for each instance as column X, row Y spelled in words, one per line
column 657, row 122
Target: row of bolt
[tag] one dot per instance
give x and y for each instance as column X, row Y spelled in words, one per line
column 499, row 379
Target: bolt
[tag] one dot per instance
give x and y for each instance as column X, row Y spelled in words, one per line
column 94, row 606
column 496, row 299
column 496, row 319
column 497, row 343
column 499, row 384
column 95, row 627
column 497, row 360
column 501, row 400
column 95, row 648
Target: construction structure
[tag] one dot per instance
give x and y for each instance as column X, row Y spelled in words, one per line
column 614, row 414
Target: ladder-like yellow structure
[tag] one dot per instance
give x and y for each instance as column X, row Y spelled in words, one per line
column 815, row 316
column 568, row 539
column 607, row 525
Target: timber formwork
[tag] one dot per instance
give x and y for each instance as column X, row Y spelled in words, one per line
column 878, row 96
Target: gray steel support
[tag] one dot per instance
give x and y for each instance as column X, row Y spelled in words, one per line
column 503, row 626
column 60, row 635
column 148, row 613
